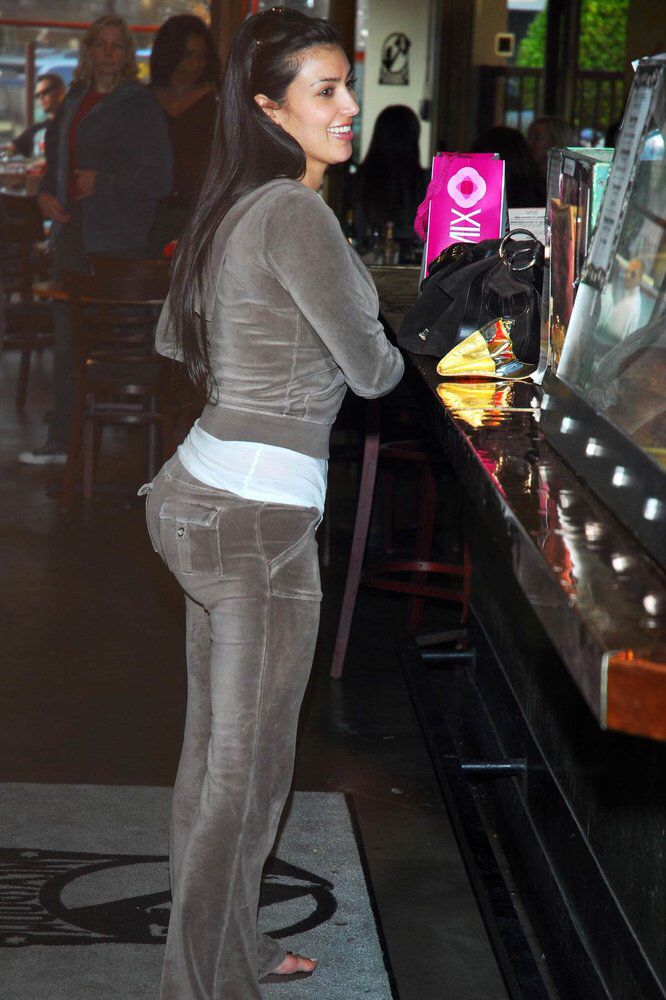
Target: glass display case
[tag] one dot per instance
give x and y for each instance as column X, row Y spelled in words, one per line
column 605, row 406
column 576, row 183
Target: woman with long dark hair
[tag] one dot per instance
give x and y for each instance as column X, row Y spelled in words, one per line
column 390, row 183
column 273, row 316
column 184, row 76
column 525, row 188
column 546, row 133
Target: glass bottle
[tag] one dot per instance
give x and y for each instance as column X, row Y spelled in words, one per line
column 390, row 247
column 372, row 253
column 348, row 228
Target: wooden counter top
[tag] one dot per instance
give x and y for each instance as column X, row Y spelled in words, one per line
column 598, row 595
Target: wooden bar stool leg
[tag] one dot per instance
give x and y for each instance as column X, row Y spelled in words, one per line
column 467, row 582
column 388, row 502
column 23, row 376
column 89, row 435
column 68, row 485
column 424, row 538
column 152, row 439
column 361, row 525
column 168, row 432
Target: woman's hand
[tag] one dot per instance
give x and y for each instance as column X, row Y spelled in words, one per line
column 51, row 208
column 85, row 183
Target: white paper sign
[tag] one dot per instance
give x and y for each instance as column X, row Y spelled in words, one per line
column 533, row 219
column 643, row 94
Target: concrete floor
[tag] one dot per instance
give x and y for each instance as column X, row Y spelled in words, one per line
column 93, row 691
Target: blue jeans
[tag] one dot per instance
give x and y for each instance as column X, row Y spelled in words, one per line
column 250, row 575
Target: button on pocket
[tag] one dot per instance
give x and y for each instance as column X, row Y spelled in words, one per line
column 190, row 537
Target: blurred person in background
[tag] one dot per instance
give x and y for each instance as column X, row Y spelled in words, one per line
column 184, row 75
column 621, row 307
column 548, row 132
column 108, row 164
column 390, row 183
column 50, row 92
column 525, row 187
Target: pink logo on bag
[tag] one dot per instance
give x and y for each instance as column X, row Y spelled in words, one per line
column 466, row 187
column 464, row 202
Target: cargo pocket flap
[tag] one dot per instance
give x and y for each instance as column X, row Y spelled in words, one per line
column 189, row 536
column 187, row 512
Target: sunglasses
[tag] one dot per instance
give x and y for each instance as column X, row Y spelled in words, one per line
column 45, row 91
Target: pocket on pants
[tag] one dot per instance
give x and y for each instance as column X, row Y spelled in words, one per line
column 145, row 491
column 290, row 547
column 189, row 536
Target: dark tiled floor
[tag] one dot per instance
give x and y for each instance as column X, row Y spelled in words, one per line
column 93, row 691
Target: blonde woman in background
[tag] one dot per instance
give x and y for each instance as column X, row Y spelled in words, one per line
column 108, row 163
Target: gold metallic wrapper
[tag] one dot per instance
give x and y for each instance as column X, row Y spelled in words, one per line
column 486, row 353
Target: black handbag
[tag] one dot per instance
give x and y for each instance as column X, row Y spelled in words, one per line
column 471, row 284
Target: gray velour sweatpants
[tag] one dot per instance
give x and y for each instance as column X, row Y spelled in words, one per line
column 251, row 579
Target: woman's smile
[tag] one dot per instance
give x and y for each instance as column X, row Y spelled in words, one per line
column 318, row 109
column 345, row 132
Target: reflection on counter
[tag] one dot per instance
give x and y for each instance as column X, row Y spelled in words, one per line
column 590, row 556
column 481, row 403
column 600, row 597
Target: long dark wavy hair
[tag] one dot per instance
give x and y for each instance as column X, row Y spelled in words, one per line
column 249, row 150
column 390, row 182
column 525, row 187
column 169, row 48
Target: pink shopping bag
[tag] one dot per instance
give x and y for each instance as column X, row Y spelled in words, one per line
column 465, row 202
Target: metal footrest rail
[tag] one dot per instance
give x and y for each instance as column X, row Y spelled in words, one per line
column 455, row 774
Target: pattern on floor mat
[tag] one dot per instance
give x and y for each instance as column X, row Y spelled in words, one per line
column 86, row 865
column 35, row 884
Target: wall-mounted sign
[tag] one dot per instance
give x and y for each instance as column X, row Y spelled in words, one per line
column 394, row 68
column 505, row 44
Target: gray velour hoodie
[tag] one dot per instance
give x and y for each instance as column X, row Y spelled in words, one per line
column 292, row 320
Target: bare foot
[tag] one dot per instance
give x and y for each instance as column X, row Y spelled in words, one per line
column 295, row 963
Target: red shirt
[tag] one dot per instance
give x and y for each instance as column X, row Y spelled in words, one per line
column 90, row 99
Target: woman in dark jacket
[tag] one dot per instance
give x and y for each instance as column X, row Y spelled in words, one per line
column 108, row 164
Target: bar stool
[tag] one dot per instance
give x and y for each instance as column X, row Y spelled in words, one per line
column 28, row 323
column 420, row 565
column 119, row 379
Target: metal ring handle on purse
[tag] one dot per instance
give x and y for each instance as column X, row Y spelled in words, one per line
column 532, row 248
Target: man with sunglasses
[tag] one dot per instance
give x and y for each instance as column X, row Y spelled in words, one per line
column 50, row 92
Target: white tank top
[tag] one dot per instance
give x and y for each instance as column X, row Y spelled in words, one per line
column 255, row 471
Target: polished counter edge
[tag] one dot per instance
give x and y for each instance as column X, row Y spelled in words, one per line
column 595, row 590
